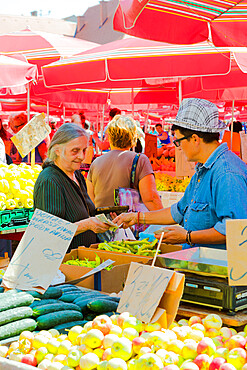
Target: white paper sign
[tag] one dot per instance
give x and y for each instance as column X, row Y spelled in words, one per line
column 39, row 253
column 236, row 243
column 144, row 288
column 31, row 135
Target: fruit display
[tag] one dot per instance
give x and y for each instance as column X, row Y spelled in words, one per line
column 139, row 247
column 162, row 164
column 16, row 185
column 122, row 342
column 166, row 182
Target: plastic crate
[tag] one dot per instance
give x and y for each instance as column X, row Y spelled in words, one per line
column 16, row 218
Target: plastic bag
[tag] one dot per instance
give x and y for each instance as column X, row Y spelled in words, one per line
column 124, row 234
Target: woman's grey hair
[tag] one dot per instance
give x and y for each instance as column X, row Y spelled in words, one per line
column 65, row 133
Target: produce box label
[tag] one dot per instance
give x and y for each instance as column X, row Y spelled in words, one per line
column 39, row 253
column 144, row 288
column 236, row 244
column 31, row 134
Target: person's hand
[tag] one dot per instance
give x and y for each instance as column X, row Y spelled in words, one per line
column 126, row 219
column 174, row 235
column 97, row 226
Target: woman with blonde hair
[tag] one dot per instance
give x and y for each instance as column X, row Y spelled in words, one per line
column 113, row 169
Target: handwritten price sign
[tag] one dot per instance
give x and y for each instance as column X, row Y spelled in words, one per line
column 144, row 288
column 39, row 253
column 236, row 242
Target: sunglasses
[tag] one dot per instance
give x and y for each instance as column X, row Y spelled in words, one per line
column 177, row 141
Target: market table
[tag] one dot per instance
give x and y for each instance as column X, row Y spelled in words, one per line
column 186, row 310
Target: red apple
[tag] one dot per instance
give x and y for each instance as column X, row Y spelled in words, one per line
column 194, row 320
column 235, row 341
column 206, row 345
column 138, row 343
column 29, row 360
column 203, row 361
column 237, row 357
column 227, row 366
column 216, row 363
column 103, row 323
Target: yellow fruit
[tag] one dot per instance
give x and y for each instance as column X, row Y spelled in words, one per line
column 4, row 186
column 3, row 196
column 19, row 203
column 10, row 204
column 28, row 203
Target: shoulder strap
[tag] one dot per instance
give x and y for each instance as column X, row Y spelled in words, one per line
column 133, row 170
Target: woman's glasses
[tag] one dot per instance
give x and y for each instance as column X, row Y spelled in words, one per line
column 177, row 141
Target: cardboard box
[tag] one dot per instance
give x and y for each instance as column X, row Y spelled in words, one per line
column 111, row 281
column 128, row 257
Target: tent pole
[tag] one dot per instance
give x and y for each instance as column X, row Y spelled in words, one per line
column 28, row 119
column 180, row 91
column 132, row 101
column 47, row 112
column 102, row 125
column 232, row 124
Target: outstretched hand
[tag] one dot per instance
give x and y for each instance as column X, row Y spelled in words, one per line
column 125, row 219
column 173, row 235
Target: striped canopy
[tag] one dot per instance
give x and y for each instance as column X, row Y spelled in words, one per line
column 184, row 22
column 129, row 62
column 41, row 48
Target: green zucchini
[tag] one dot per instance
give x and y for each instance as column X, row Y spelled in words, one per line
column 63, row 328
column 15, row 328
column 14, row 314
column 53, row 307
column 85, row 296
column 84, row 302
column 42, row 302
column 51, row 292
column 102, row 305
column 55, row 318
column 8, row 301
column 70, row 297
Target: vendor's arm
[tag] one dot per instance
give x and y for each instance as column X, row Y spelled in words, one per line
column 149, row 194
column 90, row 190
column 177, row 235
column 164, row 136
column 160, row 217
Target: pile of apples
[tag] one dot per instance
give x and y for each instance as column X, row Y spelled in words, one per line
column 16, row 185
column 166, row 182
column 122, row 342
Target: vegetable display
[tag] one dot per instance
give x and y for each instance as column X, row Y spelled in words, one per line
column 138, row 247
column 87, row 263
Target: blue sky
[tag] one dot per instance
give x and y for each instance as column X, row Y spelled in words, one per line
column 51, row 8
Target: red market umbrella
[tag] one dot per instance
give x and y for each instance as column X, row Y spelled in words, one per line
column 133, row 62
column 41, row 48
column 184, row 22
column 15, row 75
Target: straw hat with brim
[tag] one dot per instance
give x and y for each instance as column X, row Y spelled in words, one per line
column 199, row 115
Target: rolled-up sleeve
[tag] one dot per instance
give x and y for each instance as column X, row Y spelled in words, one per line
column 230, row 199
column 176, row 214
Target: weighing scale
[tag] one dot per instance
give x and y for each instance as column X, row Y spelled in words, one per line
column 206, row 278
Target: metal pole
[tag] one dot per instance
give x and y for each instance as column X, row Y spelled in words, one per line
column 180, row 91
column 47, row 112
column 232, row 124
column 132, row 102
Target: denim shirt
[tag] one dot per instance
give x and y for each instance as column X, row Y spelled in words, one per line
column 217, row 191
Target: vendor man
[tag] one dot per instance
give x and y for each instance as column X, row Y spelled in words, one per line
column 217, row 191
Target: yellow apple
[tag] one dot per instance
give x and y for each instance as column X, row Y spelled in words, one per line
column 89, row 361
column 93, row 338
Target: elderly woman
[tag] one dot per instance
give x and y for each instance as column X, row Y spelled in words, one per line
column 60, row 188
column 113, row 169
